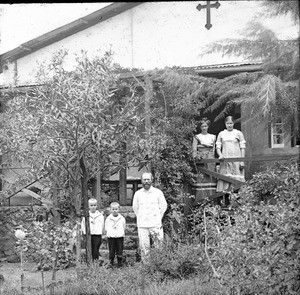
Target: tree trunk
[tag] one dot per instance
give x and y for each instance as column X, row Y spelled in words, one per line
column 78, row 238
column 77, row 203
column 123, row 178
column 84, row 197
column 54, row 264
column 56, row 214
column 148, row 97
column 96, row 189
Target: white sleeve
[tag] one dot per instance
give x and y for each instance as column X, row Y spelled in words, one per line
column 83, row 225
column 105, row 224
column 124, row 223
column 219, row 141
column 242, row 141
column 162, row 204
column 135, row 205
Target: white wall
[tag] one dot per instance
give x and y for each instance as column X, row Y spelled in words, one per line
column 157, row 34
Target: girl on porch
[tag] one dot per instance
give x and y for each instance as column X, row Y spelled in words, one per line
column 204, row 147
column 230, row 144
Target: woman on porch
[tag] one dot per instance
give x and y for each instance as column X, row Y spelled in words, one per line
column 204, row 147
column 230, row 144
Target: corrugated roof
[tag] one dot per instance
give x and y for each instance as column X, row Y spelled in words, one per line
column 227, row 65
column 224, row 70
column 217, row 70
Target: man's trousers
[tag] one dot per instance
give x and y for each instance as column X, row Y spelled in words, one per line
column 156, row 234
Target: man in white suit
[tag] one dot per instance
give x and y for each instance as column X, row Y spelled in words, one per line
column 149, row 206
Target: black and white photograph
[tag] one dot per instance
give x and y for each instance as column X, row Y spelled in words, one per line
column 150, row 148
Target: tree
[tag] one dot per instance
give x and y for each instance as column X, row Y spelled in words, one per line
column 275, row 94
column 72, row 126
column 174, row 107
column 279, row 7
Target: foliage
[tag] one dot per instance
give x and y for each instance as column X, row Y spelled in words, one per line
column 265, row 96
column 174, row 108
column 107, row 281
column 179, row 97
column 101, row 280
column 255, row 249
column 279, row 57
column 175, row 223
column 278, row 183
column 176, row 261
column 279, row 7
column 275, row 91
column 45, row 241
column 70, row 115
column 73, row 125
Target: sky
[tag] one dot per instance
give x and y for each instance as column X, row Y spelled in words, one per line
column 20, row 23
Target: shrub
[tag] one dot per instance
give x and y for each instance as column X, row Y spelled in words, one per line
column 260, row 253
column 176, row 261
column 45, row 240
column 102, row 280
column 135, row 280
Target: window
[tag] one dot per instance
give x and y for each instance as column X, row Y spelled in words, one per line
column 277, row 135
column 295, row 140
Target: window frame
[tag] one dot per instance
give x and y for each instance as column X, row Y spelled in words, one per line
column 275, row 132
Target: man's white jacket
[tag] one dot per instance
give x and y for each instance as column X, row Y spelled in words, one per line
column 115, row 226
column 149, row 207
column 96, row 223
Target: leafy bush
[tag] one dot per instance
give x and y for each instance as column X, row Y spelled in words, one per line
column 135, row 280
column 46, row 243
column 176, row 261
column 259, row 252
column 93, row 279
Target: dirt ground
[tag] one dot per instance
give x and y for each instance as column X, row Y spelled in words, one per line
column 32, row 278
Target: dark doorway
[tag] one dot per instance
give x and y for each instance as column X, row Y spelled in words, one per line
column 217, row 126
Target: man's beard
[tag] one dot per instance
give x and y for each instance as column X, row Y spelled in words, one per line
column 146, row 186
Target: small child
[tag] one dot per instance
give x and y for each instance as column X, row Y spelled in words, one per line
column 96, row 227
column 115, row 231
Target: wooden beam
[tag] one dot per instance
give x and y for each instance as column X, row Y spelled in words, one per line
column 216, row 195
column 96, row 188
column 254, row 158
column 115, row 181
column 23, row 188
column 220, row 194
column 123, row 187
column 220, row 176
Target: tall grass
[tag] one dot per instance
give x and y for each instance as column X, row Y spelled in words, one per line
column 131, row 280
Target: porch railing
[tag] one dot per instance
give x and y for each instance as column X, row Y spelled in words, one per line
column 236, row 184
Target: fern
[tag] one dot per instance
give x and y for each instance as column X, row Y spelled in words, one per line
column 279, row 57
column 274, row 8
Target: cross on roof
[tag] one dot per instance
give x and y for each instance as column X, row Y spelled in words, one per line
column 208, row 6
